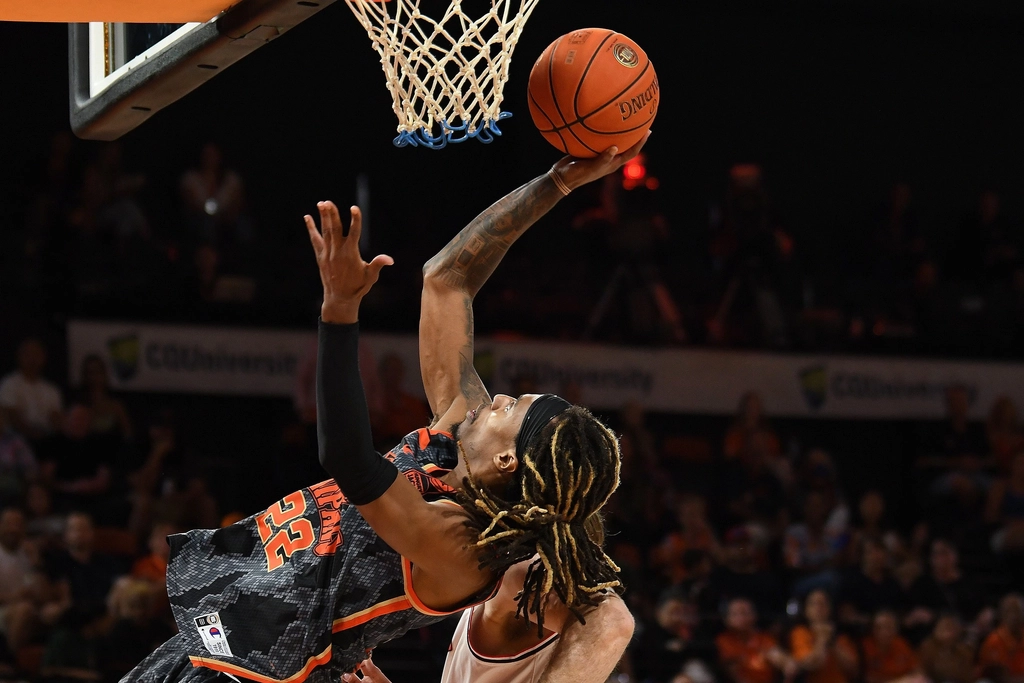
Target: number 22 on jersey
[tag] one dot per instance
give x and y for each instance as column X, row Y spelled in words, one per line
column 283, row 529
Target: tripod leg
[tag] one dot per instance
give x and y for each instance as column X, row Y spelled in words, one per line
column 605, row 302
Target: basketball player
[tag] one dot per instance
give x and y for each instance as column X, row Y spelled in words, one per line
column 304, row 590
column 491, row 644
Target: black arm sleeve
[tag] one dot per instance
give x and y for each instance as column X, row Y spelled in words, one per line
column 343, row 420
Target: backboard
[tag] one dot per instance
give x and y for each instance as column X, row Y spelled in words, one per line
column 123, row 73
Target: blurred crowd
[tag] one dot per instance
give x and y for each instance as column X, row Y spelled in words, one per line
column 748, row 556
column 92, row 233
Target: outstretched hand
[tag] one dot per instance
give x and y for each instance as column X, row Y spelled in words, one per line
column 346, row 277
column 577, row 172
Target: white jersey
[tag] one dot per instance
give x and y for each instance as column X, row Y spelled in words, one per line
column 466, row 665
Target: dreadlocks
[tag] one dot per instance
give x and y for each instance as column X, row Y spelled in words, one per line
column 565, row 476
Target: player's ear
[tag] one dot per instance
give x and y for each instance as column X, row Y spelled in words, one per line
column 506, row 462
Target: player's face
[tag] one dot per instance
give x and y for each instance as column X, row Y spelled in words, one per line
column 488, row 435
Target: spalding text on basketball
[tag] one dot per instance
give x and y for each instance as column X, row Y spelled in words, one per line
column 648, row 99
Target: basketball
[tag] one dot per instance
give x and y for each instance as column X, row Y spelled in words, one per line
column 592, row 89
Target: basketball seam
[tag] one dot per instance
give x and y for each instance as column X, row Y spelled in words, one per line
column 609, row 102
column 582, row 122
column 551, row 80
column 529, row 94
column 624, row 90
column 615, row 132
column 583, row 76
column 579, row 140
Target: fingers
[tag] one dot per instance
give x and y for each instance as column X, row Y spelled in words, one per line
column 335, row 216
column 329, row 226
column 356, row 224
column 375, row 266
column 372, row 673
column 381, row 260
column 635, row 149
column 314, row 235
column 332, row 227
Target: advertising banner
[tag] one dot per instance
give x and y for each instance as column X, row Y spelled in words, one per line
column 222, row 360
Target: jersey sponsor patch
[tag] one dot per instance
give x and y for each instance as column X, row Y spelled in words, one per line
column 211, row 630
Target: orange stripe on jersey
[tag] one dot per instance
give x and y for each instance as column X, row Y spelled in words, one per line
column 380, row 609
column 418, row 604
column 297, row 677
column 430, row 467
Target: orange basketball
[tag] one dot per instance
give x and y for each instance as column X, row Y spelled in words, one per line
column 591, row 89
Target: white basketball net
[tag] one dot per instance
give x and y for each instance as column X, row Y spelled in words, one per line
column 445, row 75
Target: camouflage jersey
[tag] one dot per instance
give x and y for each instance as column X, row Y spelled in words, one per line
column 305, row 589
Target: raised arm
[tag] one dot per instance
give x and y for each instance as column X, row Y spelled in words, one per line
column 432, row 536
column 455, row 274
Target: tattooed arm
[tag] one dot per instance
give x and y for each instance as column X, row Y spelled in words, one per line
column 456, row 273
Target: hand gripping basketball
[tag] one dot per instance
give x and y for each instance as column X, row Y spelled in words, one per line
column 345, row 276
column 575, row 172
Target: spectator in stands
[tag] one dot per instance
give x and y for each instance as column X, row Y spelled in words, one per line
column 639, row 439
column 750, row 420
column 1005, row 511
column 754, row 493
column 755, row 259
column 872, row 523
column 698, row 586
column 108, row 417
column 888, row 657
column 166, row 462
column 742, row 574
column 956, row 462
column 820, row 651
column 133, row 629
column 33, row 405
column 81, row 577
column 749, row 655
column 816, row 472
column 899, row 243
column 675, row 643
column 1003, row 432
column 45, row 527
column 811, row 550
column 400, row 412
column 868, row 588
column 84, row 472
column 1001, row 657
column 694, row 533
column 945, row 657
column 188, row 503
column 18, row 466
column 17, row 580
column 152, row 567
column 986, row 247
column 944, row 589
column 213, row 199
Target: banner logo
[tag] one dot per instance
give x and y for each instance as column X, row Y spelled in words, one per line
column 814, row 383
column 124, row 356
